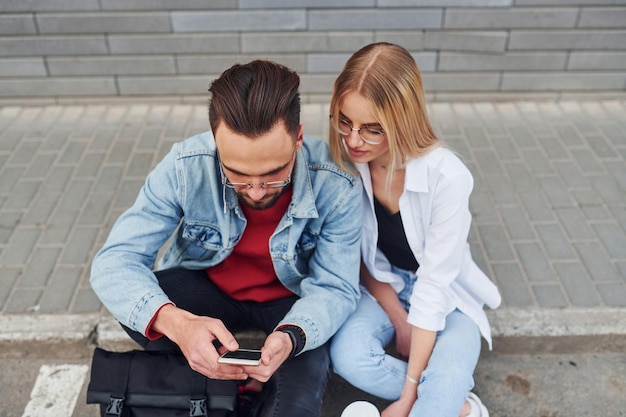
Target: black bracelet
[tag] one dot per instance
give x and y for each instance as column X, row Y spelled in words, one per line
column 297, row 336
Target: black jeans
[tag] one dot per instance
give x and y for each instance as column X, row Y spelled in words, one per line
column 297, row 388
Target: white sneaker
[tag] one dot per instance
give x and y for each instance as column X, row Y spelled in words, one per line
column 360, row 409
column 478, row 408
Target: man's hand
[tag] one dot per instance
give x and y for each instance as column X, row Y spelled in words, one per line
column 195, row 336
column 275, row 351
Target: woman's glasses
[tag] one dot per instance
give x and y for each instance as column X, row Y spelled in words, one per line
column 369, row 134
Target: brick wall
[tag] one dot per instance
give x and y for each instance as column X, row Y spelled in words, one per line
column 72, row 50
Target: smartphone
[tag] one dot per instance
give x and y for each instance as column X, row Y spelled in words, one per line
column 241, row 357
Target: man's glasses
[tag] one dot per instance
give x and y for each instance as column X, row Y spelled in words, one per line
column 243, row 186
column 367, row 133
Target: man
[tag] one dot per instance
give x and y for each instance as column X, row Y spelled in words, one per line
column 267, row 237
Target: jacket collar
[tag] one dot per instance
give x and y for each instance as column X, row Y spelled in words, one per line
column 415, row 180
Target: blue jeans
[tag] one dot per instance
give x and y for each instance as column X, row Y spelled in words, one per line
column 358, row 355
column 297, row 387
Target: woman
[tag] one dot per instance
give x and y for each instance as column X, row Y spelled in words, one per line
column 420, row 282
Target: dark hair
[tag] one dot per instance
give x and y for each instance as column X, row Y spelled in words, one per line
column 251, row 98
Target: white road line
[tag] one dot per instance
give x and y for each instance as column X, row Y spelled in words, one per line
column 56, row 390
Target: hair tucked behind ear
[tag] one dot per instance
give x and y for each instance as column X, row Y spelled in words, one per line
column 387, row 76
column 251, row 98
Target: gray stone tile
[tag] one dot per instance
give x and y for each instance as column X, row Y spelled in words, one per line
column 537, row 162
column 621, row 265
column 605, row 60
column 165, row 4
column 96, row 209
column 506, row 148
column 10, row 139
column 517, row 224
column 127, row 193
column 567, row 39
column 615, row 133
column 550, row 296
column 8, row 278
column 476, row 41
column 522, row 137
column 619, row 214
column 521, row 179
column 481, row 206
column 556, row 192
column 575, row 224
column 571, row 175
column 597, row 261
column 607, row 17
column 174, row 44
column 608, row 189
column 78, row 250
column 22, row 195
column 140, row 164
column 40, row 210
column 240, row 21
column 602, row 147
column 511, row 18
column 535, row 263
column 23, row 301
column 8, row 222
column 59, row 293
column 562, row 81
column 14, row 46
column 613, row 238
column 58, row 230
column 496, row 243
column 22, row 67
column 80, row 23
column 17, row 24
column 556, row 244
column 41, row 165
column 501, row 190
column 86, row 301
column 111, row 65
column 512, row 286
column 536, row 206
column 90, row 165
column 461, row 82
column 587, row 161
column 24, row 152
column 613, row 294
column 576, row 282
column 376, row 19
column 39, row 269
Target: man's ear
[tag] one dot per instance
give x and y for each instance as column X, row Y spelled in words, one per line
column 300, row 137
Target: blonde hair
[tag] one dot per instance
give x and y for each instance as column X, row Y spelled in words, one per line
column 387, row 76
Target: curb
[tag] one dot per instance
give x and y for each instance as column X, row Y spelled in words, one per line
column 505, row 322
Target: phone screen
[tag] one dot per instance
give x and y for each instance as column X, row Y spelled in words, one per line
column 241, row 357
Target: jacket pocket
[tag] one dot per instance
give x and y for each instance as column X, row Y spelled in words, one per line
column 200, row 239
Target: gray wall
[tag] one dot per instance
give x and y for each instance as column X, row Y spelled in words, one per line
column 72, row 50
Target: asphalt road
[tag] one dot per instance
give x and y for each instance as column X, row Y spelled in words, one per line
column 575, row 377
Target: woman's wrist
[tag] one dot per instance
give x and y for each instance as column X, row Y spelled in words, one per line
column 411, row 380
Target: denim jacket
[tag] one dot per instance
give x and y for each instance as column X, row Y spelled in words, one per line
column 314, row 249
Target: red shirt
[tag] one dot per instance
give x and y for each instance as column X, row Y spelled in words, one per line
column 248, row 272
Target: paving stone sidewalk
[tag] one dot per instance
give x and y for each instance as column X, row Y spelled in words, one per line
column 549, row 201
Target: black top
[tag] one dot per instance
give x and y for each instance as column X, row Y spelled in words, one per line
column 392, row 239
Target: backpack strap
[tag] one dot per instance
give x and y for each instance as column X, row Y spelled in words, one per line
column 197, row 399
column 118, row 395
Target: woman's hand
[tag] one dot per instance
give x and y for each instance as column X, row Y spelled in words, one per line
column 400, row 408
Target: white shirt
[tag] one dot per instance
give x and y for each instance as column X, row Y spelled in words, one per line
column 435, row 213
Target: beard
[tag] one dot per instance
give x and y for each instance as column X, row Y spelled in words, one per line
column 267, row 201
